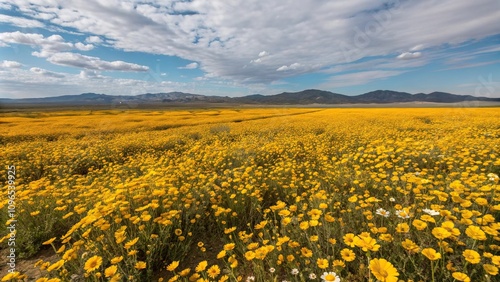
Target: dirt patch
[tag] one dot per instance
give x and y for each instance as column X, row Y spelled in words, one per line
column 26, row 266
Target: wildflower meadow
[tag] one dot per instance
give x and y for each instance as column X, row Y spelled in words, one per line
column 252, row 194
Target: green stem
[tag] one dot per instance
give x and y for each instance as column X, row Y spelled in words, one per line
column 432, row 271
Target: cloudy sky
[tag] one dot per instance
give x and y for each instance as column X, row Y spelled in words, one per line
column 241, row 47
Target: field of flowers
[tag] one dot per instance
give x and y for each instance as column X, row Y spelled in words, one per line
column 254, row 194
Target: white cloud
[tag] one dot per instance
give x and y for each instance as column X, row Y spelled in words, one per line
column 20, row 22
column 409, row 55
column 418, row 47
column 48, row 45
column 93, row 39
column 44, row 72
column 223, row 38
column 263, row 54
column 293, row 66
column 93, row 63
column 84, row 47
column 10, row 64
column 190, row 66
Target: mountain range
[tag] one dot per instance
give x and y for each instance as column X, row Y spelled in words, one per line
column 310, row 96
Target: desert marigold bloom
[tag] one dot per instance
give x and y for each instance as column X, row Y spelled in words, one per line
column 322, row 263
column 460, row 276
column 410, row 246
column 431, row 254
column 131, row 243
column 383, row 270
column 229, row 246
column 475, row 232
column 213, row 271
column 116, row 260
column 348, row 255
column 440, row 233
column 93, row 263
column 201, row 266
column 490, row 269
column 471, row 256
column 349, row 239
column 140, row 265
column 366, row 243
column 419, row 224
column 402, row 227
column 307, row 253
column 173, row 265
column 221, row 254
column 110, row 271
column 48, row 242
column 56, row 265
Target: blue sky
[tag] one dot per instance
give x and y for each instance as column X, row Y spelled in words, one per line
column 242, row 47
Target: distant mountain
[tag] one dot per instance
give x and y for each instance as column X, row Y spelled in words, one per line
column 310, row 96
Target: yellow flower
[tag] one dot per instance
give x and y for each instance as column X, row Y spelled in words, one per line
column 93, row 263
column 56, row 265
column 110, row 271
column 410, row 246
column 116, row 260
column 173, row 265
column 221, row 254
column 213, row 271
column 338, row 263
column 249, row 255
column 185, row 272
column 431, row 254
column 440, row 233
column 366, row 243
column 131, row 243
column 474, row 232
column 307, row 253
column 349, row 239
column 233, row 261
column 48, row 242
column 140, row 265
column 402, row 227
column 11, row 276
column 229, row 246
column 471, row 256
column 322, row 263
column 201, row 266
column 348, row 255
column 490, row 269
column 419, row 224
column 383, row 270
column 460, row 276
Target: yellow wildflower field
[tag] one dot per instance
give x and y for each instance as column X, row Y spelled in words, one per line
column 253, row 194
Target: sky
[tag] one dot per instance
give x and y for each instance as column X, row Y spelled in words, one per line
column 242, row 47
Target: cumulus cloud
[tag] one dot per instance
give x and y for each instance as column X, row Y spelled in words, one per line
column 20, row 22
column 44, row 72
column 84, row 47
column 93, row 63
column 409, row 55
column 48, row 45
column 315, row 34
column 189, row 66
column 10, row 64
column 263, row 54
column 93, row 39
column 293, row 66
